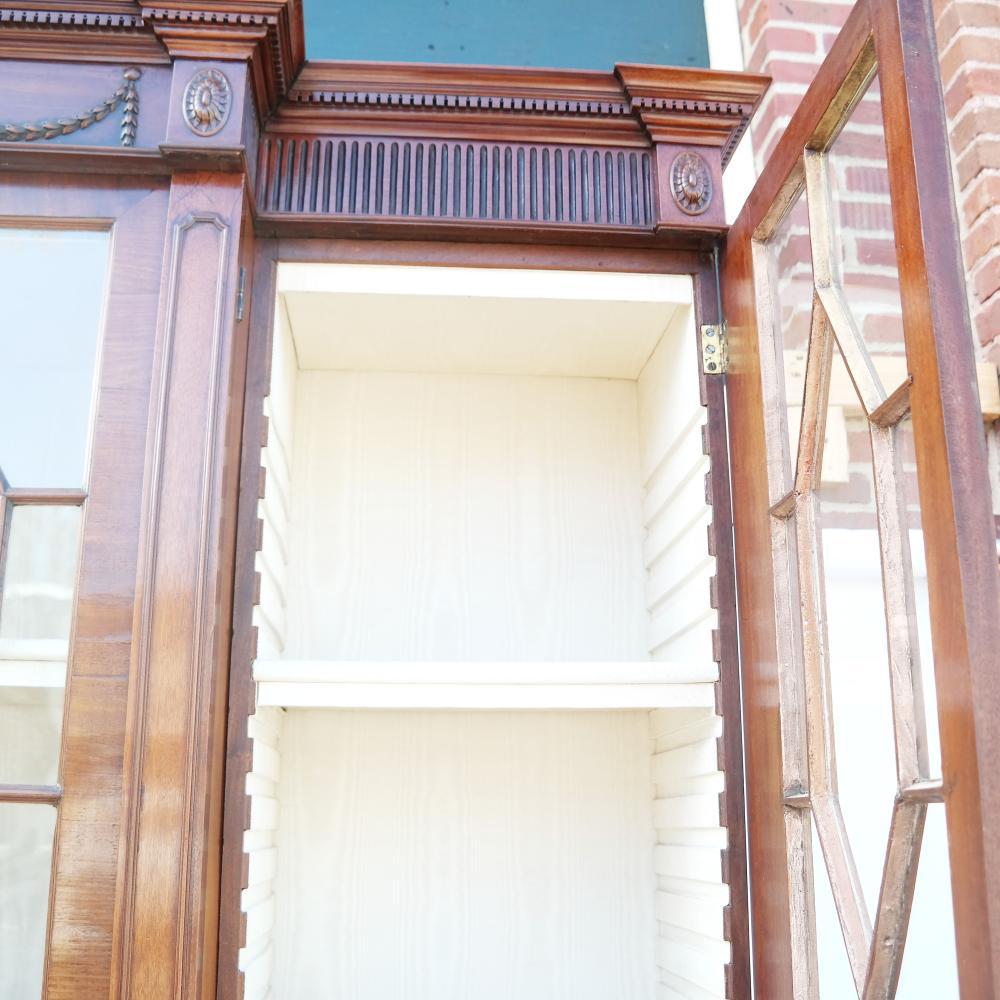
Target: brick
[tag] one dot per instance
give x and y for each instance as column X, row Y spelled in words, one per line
column 867, row 112
column 987, row 279
column 864, row 216
column 858, row 442
column 857, row 490
column 966, row 48
column 983, row 194
column 856, row 279
column 756, row 28
column 828, row 39
column 983, row 237
column 992, row 354
column 976, row 81
column 856, row 519
column 795, row 251
column 867, row 180
column 987, row 323
column 981, row 155
column 816, row 12
column 969, row 14
column 973, row 123
column 778, row 38
column 786, row 71
column 860, row 145
column 876, row 253
column 882, row 329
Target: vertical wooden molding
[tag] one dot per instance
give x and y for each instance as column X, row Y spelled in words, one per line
column 732, row 804
column 166, row 927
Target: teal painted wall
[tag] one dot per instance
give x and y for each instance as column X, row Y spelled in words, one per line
column 578, row 34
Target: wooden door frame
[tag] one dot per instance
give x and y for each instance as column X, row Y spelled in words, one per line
column 953, row 487
column 700, row 266
column 84, row 905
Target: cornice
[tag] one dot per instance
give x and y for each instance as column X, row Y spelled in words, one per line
column 85, row 31
column 268, row 34
column 498, row 88
column 693, row 106
column 644, row 104
column 60, row 18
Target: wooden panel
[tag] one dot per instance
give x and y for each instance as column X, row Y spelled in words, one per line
column 172, row 836
column 493, row 855
column 486, row 517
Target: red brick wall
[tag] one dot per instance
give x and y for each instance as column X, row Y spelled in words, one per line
column 968, row 34
column 788, row 39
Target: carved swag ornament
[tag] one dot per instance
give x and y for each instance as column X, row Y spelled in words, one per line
column 126, row 95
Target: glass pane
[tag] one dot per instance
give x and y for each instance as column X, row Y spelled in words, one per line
column 862, row 215
column 908, row 461
column 859, row 661
column 930, row 965
column 40, row 573
column 31, row 725
column 52, row 285
column 835, row 978
column 25, row 865
column 791, row 283
column 35, row 616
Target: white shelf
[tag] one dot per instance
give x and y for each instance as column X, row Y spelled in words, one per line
column 487, row 685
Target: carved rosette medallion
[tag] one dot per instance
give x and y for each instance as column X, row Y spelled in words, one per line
column 691, row 183
column 207, row 100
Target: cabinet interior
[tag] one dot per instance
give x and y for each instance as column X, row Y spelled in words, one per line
column 485, row 744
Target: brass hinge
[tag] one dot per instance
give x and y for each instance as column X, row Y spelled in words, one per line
column 714, row 350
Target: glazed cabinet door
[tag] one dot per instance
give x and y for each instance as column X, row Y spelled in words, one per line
column 80, row 272
column 120, row 349
column 865, row 544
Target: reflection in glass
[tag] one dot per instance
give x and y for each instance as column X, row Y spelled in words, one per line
column 791, row 282
column 834, row 969
column 52, row 285
column 36, row 608
column 930, row 965
column 862, row 217
column 25, row 866
column 908, row 461
column 30, row 728
column 858, row 656
column 40, row 573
